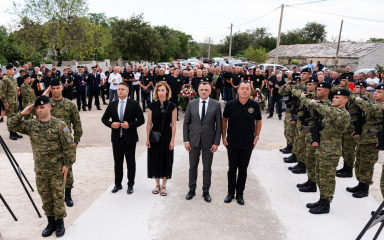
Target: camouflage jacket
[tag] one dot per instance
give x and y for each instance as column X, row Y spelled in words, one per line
column 28, row 96
column 67, row 111
column 374, row 113
column 8, row 90
column 335, row 122
column 52, row 143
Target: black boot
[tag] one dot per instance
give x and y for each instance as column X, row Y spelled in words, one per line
column 323, row 207
column 299, row 185
column 292, row 159
column 51, row 227
column 60, row 230
column 310, row 187
column 341, row 169
column 282, row 149
column 17, row 135
column 68, row 198
column 288, row 149
column 354, row 189
column 301, row 169
column 12, row 136
column 286, row 158
column 363, row 192
column 315, row 204
column 346, row 173
column 294, row 167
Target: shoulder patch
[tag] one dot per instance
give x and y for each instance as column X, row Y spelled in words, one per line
column 65, row 129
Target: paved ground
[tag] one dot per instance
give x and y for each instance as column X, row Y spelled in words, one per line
column 144, row 215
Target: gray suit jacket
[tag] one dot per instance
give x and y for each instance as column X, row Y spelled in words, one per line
column 207, row 132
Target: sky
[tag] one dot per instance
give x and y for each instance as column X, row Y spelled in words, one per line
column 212, row 19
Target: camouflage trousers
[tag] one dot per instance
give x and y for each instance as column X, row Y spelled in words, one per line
column 51, row 191
column 366, row 157
column 295, row 137
column 12, row 109
column 325, row 175
column 289, row 129
column 300, row 144
column 382, row 181
column 348, row 148
column 69, row 181
column 310, row 161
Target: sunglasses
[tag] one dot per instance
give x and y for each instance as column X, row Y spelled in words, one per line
column 162, row 109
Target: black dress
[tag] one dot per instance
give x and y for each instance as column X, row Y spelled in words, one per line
column 160, row 158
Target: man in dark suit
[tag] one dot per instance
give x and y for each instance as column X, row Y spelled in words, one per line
column 93, row 82
column 126, row 116
column 201, row 130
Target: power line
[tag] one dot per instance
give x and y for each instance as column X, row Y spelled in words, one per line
column 258, row 18
column 305, row 3
column 365, row 19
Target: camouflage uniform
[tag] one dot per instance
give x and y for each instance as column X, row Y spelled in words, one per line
column 366, row 154
column 299, row 144
column 289, row 128
column 53, row 148
column 27, row 94
column 8, row 94
column 66, row 111
column 335, row 122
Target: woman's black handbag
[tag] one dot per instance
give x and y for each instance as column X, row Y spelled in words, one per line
column 155, row 136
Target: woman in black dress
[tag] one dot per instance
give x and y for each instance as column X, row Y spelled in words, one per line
column 160, row 154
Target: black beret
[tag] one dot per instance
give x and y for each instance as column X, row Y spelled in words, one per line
column 379, row 86
column 55, row 82
column 363, row 83
column 9, row 66
column 342, row 92
column 26, row 76
column 324, row 85
column 297, row 78
column 313, row 80
column 309, row 70
column 42, row 100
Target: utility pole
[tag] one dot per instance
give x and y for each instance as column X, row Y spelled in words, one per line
column 338, row 45
column 278, row 36
column 230, row 41
column 209, row 47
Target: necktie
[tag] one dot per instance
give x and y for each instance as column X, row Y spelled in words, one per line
column 203, row 112
column 121, row 116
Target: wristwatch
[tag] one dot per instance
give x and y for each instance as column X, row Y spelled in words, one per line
column 257, row 137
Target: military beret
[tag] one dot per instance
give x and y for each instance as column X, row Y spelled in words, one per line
column 26, row 76
column 308, row 70
column 363, row 83
column 380, row 86
column 55, row 82
column 41, row 100
column 9, row 66
column 324, row 85
column 313, row 80
column 342, row 92
column 297, row 78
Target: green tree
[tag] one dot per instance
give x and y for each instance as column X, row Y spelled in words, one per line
column 292, row 37
column 379, row 68
column 314, row 32
column 258, row 55
column 8, row 50
column 376, row 40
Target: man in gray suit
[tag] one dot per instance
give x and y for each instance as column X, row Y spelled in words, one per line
column 201, row 131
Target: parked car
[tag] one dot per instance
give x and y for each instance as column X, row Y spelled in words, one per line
column 365, row 70
column 273, row 66
column 247, row 65
column 193, row 61
column 232, row 61
column 218, row 61
column 204, row 60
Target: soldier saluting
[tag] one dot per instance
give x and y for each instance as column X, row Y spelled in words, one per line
column 53, row 154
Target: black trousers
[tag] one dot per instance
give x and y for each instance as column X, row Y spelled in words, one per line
column 120, row 150
column 81, row 99
column 107, row 84
column 238, row 161
column 135, row 88
column 279, row 105
column 102, row 93
column 194, row 158
column 90, row 96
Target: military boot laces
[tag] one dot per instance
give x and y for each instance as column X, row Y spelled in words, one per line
column 322, row 208
column 60, row 230
column 363, row 192
column 68, row 198
column 51, row 227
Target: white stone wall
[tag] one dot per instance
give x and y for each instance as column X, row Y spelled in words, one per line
column 371, row 59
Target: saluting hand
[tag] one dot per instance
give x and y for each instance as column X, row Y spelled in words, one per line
column 27, row 110
column 115, row 125
column 65, row 172
column 46, row 92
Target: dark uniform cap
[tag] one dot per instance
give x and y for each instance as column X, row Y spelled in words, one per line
column 362, row 84
column 324, row 85
column 308, row 70
column 380, row 86
column 297, row 78
column 42, row 100
column 55, row 82
column 26, row 76
column 79, row 67
column 313, row 80
column 342, row 92
column 9, row 66
column 94, row 67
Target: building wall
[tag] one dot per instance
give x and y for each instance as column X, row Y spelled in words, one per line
column 370, row 60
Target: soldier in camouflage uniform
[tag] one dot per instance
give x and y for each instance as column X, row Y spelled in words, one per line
column 366, row 153
column 65, row 110
column 27, row 92
column 8, row 94
column 53, row 153
column 335, row 121
column 349, row 142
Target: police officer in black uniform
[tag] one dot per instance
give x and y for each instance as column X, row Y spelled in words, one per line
column 67, row 80
column 80, row 83
column 93, row 82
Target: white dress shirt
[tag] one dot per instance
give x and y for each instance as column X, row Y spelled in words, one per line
column 201, row 106
column 115, row 84
column 372, row 81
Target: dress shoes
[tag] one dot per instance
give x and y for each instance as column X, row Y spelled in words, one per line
column 99, row 109
column 190, row 194
column 116, row 189
column 130, row 190
column 240, row 199
column 105, row 103
column 229, row 198
column 207, row 197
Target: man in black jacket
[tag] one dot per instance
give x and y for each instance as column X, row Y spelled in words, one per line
column 124, row 116
column 93, row 82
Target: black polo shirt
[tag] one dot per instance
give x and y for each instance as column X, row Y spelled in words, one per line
column 127, row 76
column 160, row 78
column 236, row 78
column 196, row 82
column 207, row 78
column 241, row 123
column 145, row 80
column 257, row 81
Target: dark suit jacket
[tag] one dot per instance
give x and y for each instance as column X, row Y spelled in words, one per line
column 133, row 115
column 93, row 82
